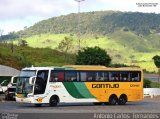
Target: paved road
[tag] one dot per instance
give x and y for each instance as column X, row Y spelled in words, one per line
column 152, row 77
column 85, row 111
column 145, row 107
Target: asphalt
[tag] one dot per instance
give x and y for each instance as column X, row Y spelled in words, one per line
column 77, row 111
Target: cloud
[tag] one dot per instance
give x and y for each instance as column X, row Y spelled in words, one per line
column 18, row 24
column 21, row 8
column 12, row 9
column 15, row 14
column 130, row 5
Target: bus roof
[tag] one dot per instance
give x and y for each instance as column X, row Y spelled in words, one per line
column 98, row 67
column 41, row 68
column 88, row 67
column 83, row 67
column 48, row 68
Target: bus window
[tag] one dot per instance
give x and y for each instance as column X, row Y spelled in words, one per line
column 99, row 76
column 71, row 76
column 42, row 74
column 61, row 76
column 91, row 76
column 124, row 76
column 114, row 76
column 135, row 76
column 106, row 76
column 53, row 77
column 83, row 76
column 57, row 76
column 41, row 81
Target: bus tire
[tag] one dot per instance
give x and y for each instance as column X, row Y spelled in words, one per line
column 38, row 105
column 53, row 101
column 113, row 100
column 122, row 99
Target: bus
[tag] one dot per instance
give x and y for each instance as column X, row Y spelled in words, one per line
column 79, row 84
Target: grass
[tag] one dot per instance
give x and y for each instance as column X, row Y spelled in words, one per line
column 27, row 56
column 123, row 47
column 155, row 85
column 44, row 40
column 150, row 66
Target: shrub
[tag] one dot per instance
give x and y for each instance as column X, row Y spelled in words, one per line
column 93, row 56
column 147, row 83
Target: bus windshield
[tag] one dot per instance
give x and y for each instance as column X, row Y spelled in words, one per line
column 23, row 85
column 27, row 73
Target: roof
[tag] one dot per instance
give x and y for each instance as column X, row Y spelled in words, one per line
column 88, row 67
column 98, row 67
column 8, row 71
column 83, row 67
column 42, row 68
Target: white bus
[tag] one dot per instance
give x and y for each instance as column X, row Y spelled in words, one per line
column 72, row 84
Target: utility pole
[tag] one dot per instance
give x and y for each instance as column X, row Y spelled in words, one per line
column 79, row 33
column 158, row 78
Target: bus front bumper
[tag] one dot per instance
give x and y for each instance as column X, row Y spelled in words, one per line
column 25, row 100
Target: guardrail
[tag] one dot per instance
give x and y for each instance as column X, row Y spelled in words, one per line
column 151, row 91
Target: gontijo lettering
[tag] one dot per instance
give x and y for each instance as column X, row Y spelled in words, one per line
column 105, row 85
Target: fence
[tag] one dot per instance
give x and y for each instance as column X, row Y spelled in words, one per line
column 151, row 91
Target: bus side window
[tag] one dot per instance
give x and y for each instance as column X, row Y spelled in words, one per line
column 99, row 76
column 124, row 76
column 83, row 76
column 106, row 76
column 61, row 76
column 135, row 76
column 56, row 76
column 91, row 76
column 71, row 76
column 51, row 77
column 115, row 76
column 110, row 76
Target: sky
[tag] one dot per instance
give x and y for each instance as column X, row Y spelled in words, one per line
column 17, row 14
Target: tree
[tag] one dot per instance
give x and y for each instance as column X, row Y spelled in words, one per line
column 147, row 83
column 156, row 61
column 23, row 43
column 12, row 47
column 93, row 56
column 65, row 45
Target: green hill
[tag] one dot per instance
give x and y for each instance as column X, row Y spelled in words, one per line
column 27, row 56
column 102, row 22
column 130, row 38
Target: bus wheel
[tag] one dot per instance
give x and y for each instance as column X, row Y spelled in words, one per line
column 38, row 105
column 122, row 100
column 113, row 100
column 53, row 101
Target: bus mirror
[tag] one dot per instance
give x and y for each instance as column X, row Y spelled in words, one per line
column 14, row 79
column 31, row 80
